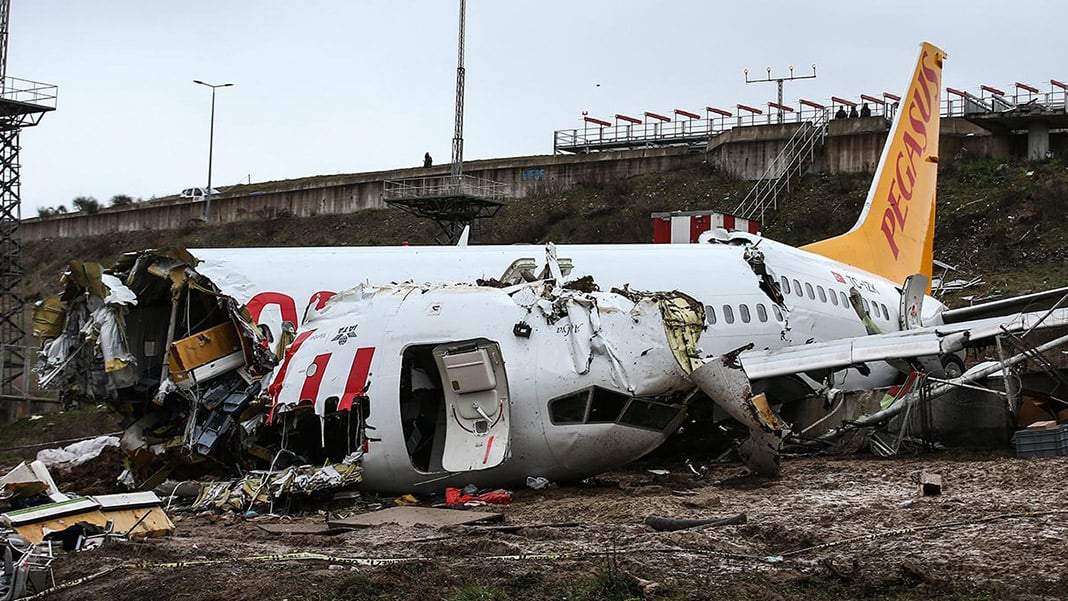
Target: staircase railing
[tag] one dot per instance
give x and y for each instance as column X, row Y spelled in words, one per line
column 795, row 156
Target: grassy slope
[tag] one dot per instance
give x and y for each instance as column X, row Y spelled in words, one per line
column 20, row 440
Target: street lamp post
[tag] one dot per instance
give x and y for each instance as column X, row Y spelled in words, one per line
column 211, row 144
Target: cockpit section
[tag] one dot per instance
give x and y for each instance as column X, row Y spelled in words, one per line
column 597, row 405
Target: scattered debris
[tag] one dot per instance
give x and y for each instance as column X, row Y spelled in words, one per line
column 260, row 488
column 537, row 482
column 472, row 497
column 1050, row 440
column 301, row 528
column 78, row 453
column 127, row 515
column 29, row 480
column 25, row 568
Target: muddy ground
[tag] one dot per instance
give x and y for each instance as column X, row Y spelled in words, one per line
column 998, row 531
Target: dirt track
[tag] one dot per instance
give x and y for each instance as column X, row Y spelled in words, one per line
column 612, row 555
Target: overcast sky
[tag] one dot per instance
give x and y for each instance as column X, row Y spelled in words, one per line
column 344, row 86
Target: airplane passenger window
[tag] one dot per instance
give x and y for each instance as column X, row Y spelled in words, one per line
column 808, row 289
column 797, row 288
column 570, row 409
column 834, row 297
column 605, row 406
column 762, row 313
column 823, row 295
column 728, row 314
column 778, row 313
column 710, row 315
column 845, row 301
column 743, row 310
column 865, row 301
column 785, row 285
column 886, row 314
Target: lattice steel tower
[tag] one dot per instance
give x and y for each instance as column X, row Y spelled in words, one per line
column 22, row 104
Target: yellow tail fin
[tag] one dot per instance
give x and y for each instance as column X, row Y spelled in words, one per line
column 894, row 236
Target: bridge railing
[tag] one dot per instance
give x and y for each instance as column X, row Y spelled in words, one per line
column 593, row 137
column 637, row 134
column 959, row 103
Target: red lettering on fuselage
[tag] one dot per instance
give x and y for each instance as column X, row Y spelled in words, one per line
column 357, row 381
column 276, row 387
column 286, row 305
column 284, row 302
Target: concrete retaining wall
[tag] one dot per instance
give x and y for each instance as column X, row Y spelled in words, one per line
column 852, row 146
column 341, row 194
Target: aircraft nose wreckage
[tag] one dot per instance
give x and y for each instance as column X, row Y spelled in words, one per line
column 407, row 387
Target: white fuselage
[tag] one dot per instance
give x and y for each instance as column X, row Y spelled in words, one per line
column 738, row 313
column 715, row 274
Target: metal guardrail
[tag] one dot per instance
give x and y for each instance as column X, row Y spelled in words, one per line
column 956, row 105
column 25, row 91
column 592, row 137
column 690, row 131
column 637, row 135
column 441, row 186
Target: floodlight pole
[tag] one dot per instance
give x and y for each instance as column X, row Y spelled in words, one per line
column 211, row 144
column 779, row 80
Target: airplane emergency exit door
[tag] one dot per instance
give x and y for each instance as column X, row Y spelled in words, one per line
column 477, row 405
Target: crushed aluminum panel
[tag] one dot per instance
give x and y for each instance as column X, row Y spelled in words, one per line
column 934, row 340
column 728, row 386
column 28, row 479
column 684, row 321
column 415, row 516
column 107, row 325
column 130, row 500
column 49, row 512
column 118, row 293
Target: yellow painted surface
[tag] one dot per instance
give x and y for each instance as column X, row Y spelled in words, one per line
column 894, row 236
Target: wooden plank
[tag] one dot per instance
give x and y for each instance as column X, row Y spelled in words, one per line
column 411, row 516
column 134, row 523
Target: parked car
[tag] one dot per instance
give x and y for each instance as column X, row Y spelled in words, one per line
column 198, row 193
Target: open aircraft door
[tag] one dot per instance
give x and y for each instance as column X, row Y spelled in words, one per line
column 912, row 301
column 477, row 405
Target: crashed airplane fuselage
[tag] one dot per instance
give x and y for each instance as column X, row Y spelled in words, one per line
column 540, row 372
column 459, row 383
